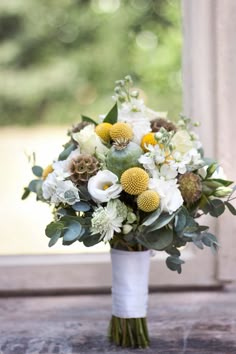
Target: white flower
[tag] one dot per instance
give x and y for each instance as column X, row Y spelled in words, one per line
column 152, row 158
column 182, row 141
column 103, row 186
column 59, row 191
column 168, row 171
column 135, row 113
column 170, row 195
column 89, row 141
column 106, row 221
column 61, row 169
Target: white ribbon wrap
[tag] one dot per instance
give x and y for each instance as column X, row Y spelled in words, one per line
column 130, row 273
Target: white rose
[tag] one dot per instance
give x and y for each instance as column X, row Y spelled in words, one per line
column 103, row 186
column 89, row 141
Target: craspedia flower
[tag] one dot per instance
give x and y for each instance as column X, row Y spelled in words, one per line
column 121, row 130
column 148, row 201
column 158, row 123
column 190, row 187
column 148, row 139
column 134, row 180
column 46, row 171
column 103, row 131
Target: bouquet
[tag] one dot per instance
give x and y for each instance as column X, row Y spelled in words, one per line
column 140, row 182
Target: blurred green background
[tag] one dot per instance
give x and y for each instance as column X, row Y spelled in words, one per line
column 60, row 58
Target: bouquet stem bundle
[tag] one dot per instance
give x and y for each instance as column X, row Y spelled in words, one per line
column 129, row 332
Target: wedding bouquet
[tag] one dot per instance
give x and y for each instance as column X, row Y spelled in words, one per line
column 136, row 180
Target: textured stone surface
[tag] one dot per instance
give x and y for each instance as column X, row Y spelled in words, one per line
column 181, row 322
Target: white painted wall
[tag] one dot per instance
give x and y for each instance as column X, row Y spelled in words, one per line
column 209, row 70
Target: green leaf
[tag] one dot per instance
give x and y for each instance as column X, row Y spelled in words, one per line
column 211, row 169
column 54, row 239
column 162, row 221
column 26, row 193
column 180, row 220
column 174, row 263
column 81, row 206
column 152, row 217
column 208, row 239
column 112, row 116
column 89, row 120
column 231, row 208
column 91, row 240
column 37, row 171
column 157, row 240
column 53, row 228
column 72, row 231
column 35, row 185
column 66, row 152
column 198, row 243
column 223, row 182
column 217, row 207
column 173, row 251
column 214, row 248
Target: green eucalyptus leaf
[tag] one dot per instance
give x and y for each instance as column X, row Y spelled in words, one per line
column 53, row 228
column 162, row 221
column 91, row 240
column 198, row 243
column 231, row 208
column 89, row 120
column 181, row 220
column 26, row 193
column 37, row 171
column 54, row 239
column 112, row 116
column 65, row 212
column 214, row 248
column 72, row 231
column 66, row 152
column 173, row 251
column 217, row 207
column 35, row 186
column 174, row 263
column 157, row 240
column 208, row 238
column 149, row 220
column 81, row 206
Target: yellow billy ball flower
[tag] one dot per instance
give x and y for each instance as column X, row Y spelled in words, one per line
column 134, row 180
column 47, row 170
column 121, row 130
column 148, row 201
column 148, row 139
column 103, row 131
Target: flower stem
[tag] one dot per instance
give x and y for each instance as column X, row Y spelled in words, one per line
column 129, row 332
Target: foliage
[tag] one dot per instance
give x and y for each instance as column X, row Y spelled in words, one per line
column 59, row 58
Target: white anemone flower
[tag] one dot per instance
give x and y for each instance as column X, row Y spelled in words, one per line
column 104, row 186
column 106, row 221
column 171, row 198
